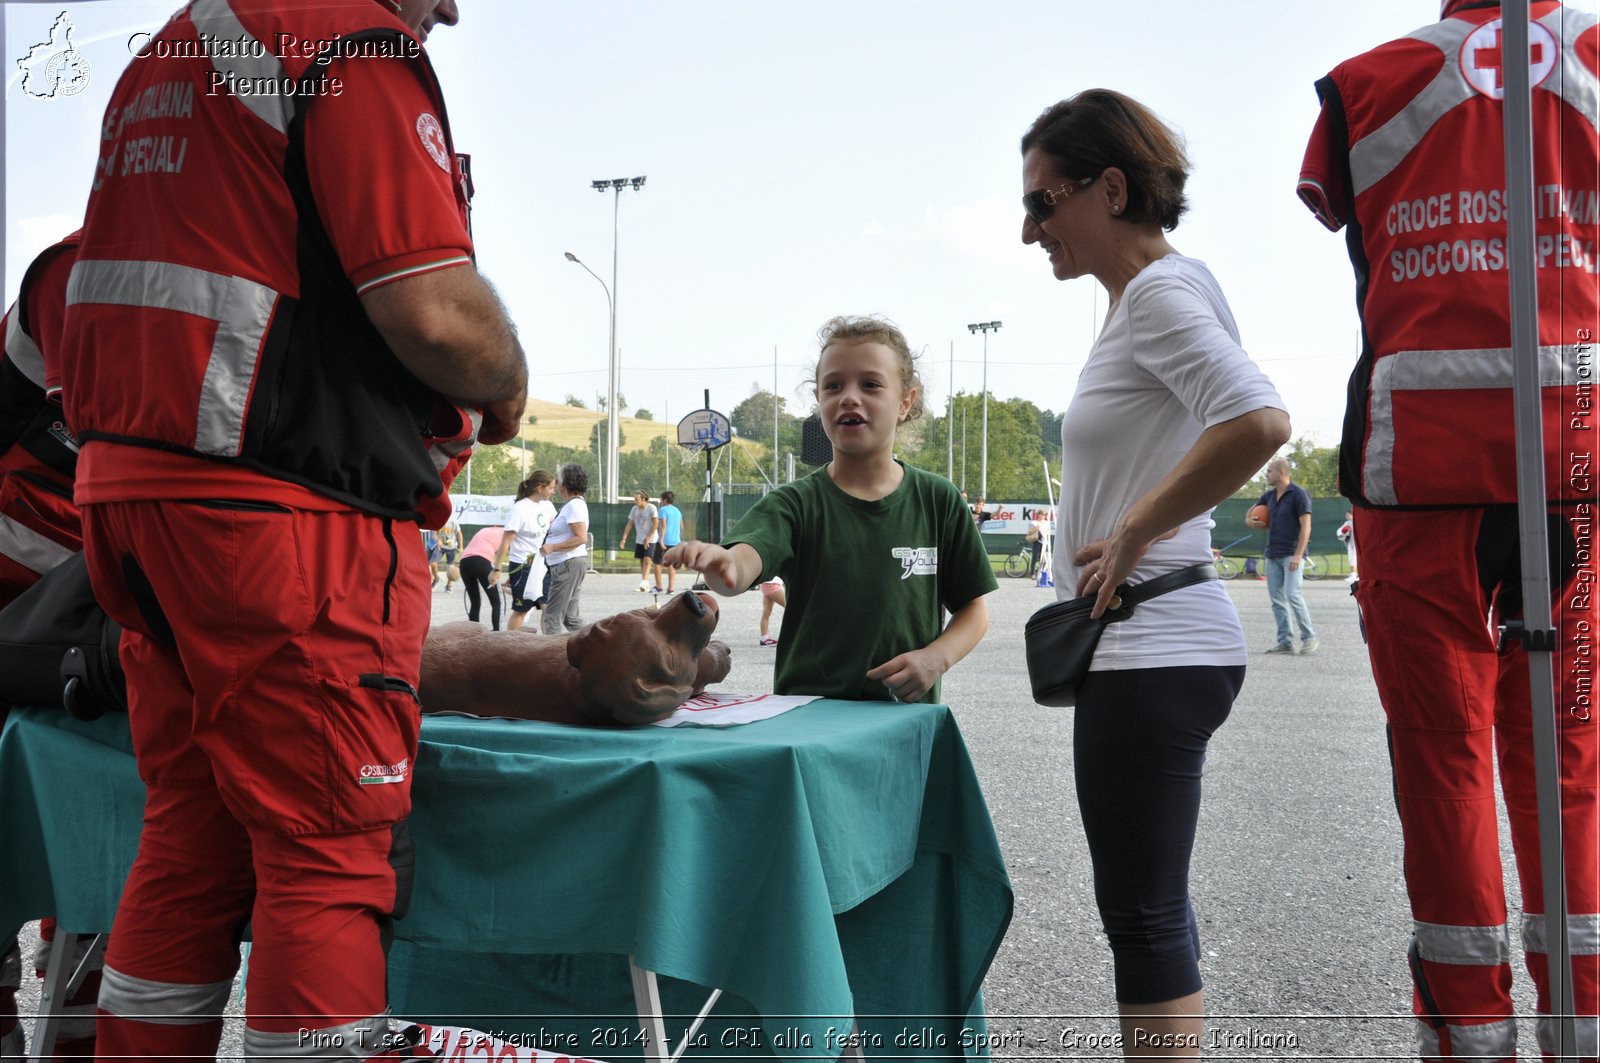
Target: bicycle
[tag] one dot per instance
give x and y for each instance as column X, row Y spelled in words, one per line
column 1226, row 567
column 1017, row 564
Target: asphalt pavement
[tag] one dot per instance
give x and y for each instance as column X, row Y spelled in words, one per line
column 1297, row 870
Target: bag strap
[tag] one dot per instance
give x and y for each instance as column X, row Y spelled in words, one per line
column 1154, row 588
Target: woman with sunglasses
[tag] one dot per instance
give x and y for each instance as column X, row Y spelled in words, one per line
column 1170, row 417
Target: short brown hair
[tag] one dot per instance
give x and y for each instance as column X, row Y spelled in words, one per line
column 872, row 329
column 1098, row 129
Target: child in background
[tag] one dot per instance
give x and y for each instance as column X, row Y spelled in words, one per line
column 449, row 546
column 870, row 550
column 671, row 535
column 771, row 595
column 479, row 575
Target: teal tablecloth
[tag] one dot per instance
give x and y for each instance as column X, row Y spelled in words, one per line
column 834, row 862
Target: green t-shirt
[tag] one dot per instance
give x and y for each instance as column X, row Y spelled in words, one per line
column 865, row 581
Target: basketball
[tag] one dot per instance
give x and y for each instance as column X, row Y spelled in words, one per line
column 1257, row 517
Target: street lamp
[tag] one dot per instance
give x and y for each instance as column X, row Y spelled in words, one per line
column 615, row 185
column 611, row 307
column 985, row 327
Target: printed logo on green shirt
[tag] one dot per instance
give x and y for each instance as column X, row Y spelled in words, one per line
column 917, row 560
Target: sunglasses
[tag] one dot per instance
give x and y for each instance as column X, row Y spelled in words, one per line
column 1041, row 204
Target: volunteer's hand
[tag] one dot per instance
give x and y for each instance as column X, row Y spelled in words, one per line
column 501, row 420
column 1294, row 564
column 910, row 675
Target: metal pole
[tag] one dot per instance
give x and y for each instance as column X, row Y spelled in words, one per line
column 611, row 385
column 949, row 420
column 963, row 448
column 1538, row 633
column 985, row 327
column 983, row 465
column 706, row 531
column 775, row 415
column 666, row 412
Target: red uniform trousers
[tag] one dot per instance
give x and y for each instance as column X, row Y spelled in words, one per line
column 272, row 657
column 1434, row 586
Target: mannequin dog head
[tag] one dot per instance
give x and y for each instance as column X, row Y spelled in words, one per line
column 639, row 666
column 632, row 668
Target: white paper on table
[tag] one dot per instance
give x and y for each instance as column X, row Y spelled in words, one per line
column 725, row 710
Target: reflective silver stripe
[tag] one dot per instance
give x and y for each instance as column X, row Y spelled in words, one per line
column 1481, row 946
column 164, row 1003
column 275, row 110
column 441, row 454
column 354, row 1040
column 241, row 308
column 1375, row 155
column 1439, row 371
column 1583, row 934
column 75, row 1022
column 1494, row 1040
column 47, row 950
column 28, row 548
column 1585, row 1030
column 21, row 351
column 1570, row 79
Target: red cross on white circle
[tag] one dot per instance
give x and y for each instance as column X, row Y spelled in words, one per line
column 1483, row 57
column 431, row 133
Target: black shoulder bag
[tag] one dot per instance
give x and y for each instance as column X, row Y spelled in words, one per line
column 58, row 648
column 1061, row 638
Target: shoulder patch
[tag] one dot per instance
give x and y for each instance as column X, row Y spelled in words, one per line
column 431, row 133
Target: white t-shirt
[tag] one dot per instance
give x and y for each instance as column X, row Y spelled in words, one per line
column 527, row 523
column 644, row 522
column 576, row 511
column 1167, row 366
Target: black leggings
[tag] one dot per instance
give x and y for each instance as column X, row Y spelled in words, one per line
column 1138, row 746
column 475, row 575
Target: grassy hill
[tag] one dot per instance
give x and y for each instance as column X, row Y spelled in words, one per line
column 570, row 426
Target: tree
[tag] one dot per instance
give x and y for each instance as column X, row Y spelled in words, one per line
column 752, row 418
column 573, row 400
column 597, row 436
column 1016, row 456
column 600, row 402
column 1312, row 467
column 642, row 414
column 1315, row 468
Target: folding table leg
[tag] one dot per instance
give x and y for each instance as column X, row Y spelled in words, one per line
column 60, row 982
column 852, row 1051
column 647, row 1002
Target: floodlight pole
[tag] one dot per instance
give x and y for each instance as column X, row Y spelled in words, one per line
column 985, row 327
column 611, row 308
column 1537, row 630
column 615, row 186
column 950, row 421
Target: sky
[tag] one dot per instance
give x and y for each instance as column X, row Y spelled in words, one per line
column 803, row 161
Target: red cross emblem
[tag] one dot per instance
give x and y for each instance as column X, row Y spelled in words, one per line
column 431, row 133
column 1483, row 60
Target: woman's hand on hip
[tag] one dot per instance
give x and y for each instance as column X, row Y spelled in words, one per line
column 1104, row 564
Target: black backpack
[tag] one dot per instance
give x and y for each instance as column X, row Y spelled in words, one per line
column 58, row 648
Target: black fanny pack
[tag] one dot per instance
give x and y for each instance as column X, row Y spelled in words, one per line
column 1061, row 638
column 58, row 648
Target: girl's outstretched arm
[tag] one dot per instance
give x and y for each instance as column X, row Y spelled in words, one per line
column 727, row 570
column 911, row 675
